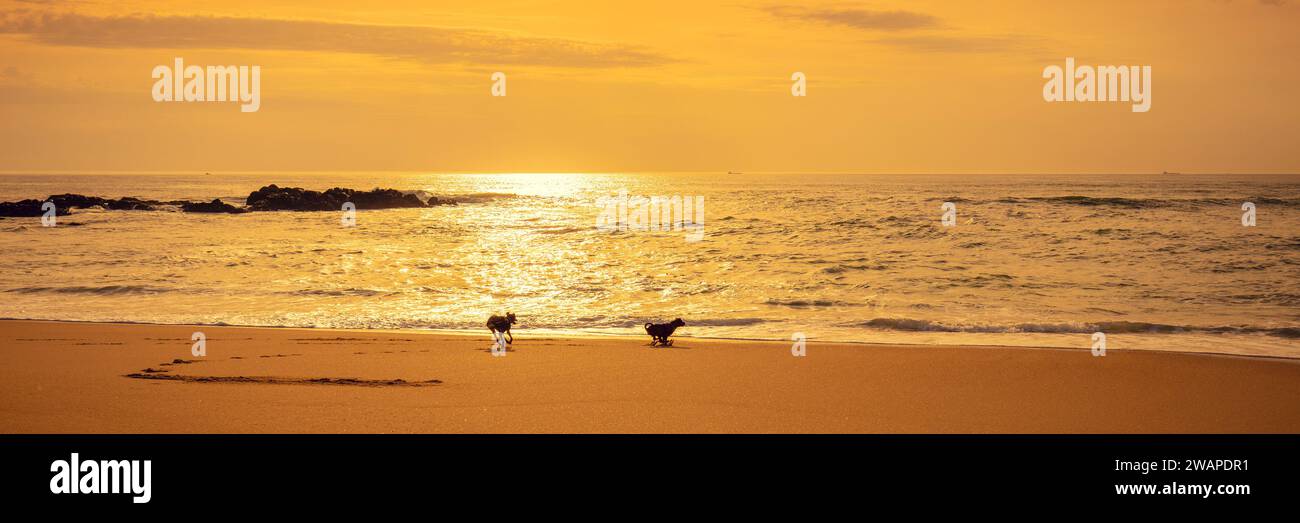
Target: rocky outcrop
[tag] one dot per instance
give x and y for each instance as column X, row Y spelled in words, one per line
column 27, row 208
column 269, row 198
column 63, row 203
column 380, row 198
column 274, row 198
column 127, row 203
column 131, row 204
column 212, row 206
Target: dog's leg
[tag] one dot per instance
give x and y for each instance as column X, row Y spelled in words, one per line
column 498, row 345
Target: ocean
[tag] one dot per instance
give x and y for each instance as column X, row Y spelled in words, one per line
column 1156, row 262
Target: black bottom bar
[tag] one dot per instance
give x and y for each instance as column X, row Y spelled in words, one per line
column 480, row 472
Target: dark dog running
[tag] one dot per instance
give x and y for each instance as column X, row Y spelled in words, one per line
column 659, row 333
column 502, row 324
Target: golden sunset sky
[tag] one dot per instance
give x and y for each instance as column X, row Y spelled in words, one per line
column 893, row 86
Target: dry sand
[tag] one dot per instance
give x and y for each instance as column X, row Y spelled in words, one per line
column 73, row 377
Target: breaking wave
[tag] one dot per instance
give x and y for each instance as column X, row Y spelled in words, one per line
column 105, row 290
column 917, row 325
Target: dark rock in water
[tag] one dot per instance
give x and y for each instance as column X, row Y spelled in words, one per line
column 125, row 203
column 212, row 206
column 131, row 204
column 273, row 198
column 28, row 208
column 269, row 198
column 64, row 202
column 377, row 198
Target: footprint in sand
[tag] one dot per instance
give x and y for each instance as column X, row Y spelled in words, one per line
column 274, row 380
column 163, row 375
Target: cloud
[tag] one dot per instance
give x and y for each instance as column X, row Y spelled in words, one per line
column 910, row 31
column 432, row 45
column 964, row 44
column 857, row 18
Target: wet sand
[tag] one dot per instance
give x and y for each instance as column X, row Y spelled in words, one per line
column 58, row 377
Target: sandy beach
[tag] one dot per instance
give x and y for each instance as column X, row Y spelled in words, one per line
column 58, row 377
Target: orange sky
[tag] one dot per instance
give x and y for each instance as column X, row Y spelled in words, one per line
column 893, row 86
